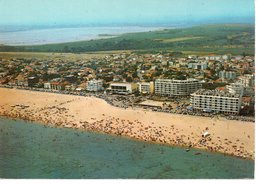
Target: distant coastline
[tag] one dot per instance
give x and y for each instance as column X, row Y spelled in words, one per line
column 236, row 39
column 41, row 36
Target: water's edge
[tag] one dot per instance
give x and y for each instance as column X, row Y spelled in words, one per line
column 126, row 137
column 32, row 150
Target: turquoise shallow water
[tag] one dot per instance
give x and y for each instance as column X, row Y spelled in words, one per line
column 30, row 150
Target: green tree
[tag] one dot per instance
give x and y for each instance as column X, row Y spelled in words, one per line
column 129, row 79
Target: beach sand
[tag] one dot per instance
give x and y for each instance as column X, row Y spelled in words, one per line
column 231, row 137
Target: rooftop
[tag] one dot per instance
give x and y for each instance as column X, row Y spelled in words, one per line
column 153, row 103
column 120, row 83
column 215, row 93
column 174, row 80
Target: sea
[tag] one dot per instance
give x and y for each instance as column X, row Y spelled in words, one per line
column 32, row 150
column 40, row 36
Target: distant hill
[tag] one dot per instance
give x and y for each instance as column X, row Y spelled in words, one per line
column 218, row 39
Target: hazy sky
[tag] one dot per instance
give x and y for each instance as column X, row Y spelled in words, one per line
column 13, row 12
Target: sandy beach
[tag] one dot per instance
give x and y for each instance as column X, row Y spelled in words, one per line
column 231, row 137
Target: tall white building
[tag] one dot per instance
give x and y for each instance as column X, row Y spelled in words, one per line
column 216, row 101
column 94, row 85
column 171, row 87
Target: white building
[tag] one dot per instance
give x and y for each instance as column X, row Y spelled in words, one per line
column 198, row 66
column 171, row 87
column 146, row 87
column 227, row 75
column 247, row 80
column 94, row 85
column 216, row 101
column 213, row 57
column 235, row 88
column 47, row 85
column 225, row 57
column 122, row 88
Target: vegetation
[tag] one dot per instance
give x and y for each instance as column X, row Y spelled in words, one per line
column 218, row 39
column 213, row 86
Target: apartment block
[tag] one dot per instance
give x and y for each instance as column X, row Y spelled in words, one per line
column 198, row 66
column 235, row 88
column 171, row 87
column 247, row 80
column 216, row 101
column 94, row 85
column 227, row 75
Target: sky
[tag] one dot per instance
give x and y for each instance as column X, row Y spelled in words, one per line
column 62, row 12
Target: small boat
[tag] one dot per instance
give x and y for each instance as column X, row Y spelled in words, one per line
column 197, row 153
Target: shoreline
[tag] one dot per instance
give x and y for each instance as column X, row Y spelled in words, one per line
column 58, row 110
column 127, row 137
column 83, row 34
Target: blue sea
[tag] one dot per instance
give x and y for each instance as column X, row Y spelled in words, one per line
column 61, row 35
column 31, row 150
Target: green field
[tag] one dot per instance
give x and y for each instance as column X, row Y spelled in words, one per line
column 213, row 39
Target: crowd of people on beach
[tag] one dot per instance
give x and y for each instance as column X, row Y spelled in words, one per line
column 59, row 116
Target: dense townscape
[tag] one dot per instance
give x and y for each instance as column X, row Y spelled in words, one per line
column 128, row 89
column 197, row 85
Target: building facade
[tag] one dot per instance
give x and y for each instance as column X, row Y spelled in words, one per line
column 235, row 88
column 57, row 86
column 198, row 66
column 247, row 80
column 122, row 88
column 146, row 87
column 171, row 87
column 47, row 85
column 94, row 85
column 216, row 101
column 227, row 75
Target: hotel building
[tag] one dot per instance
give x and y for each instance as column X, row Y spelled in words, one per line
column 171, row 87
column 216, row 101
